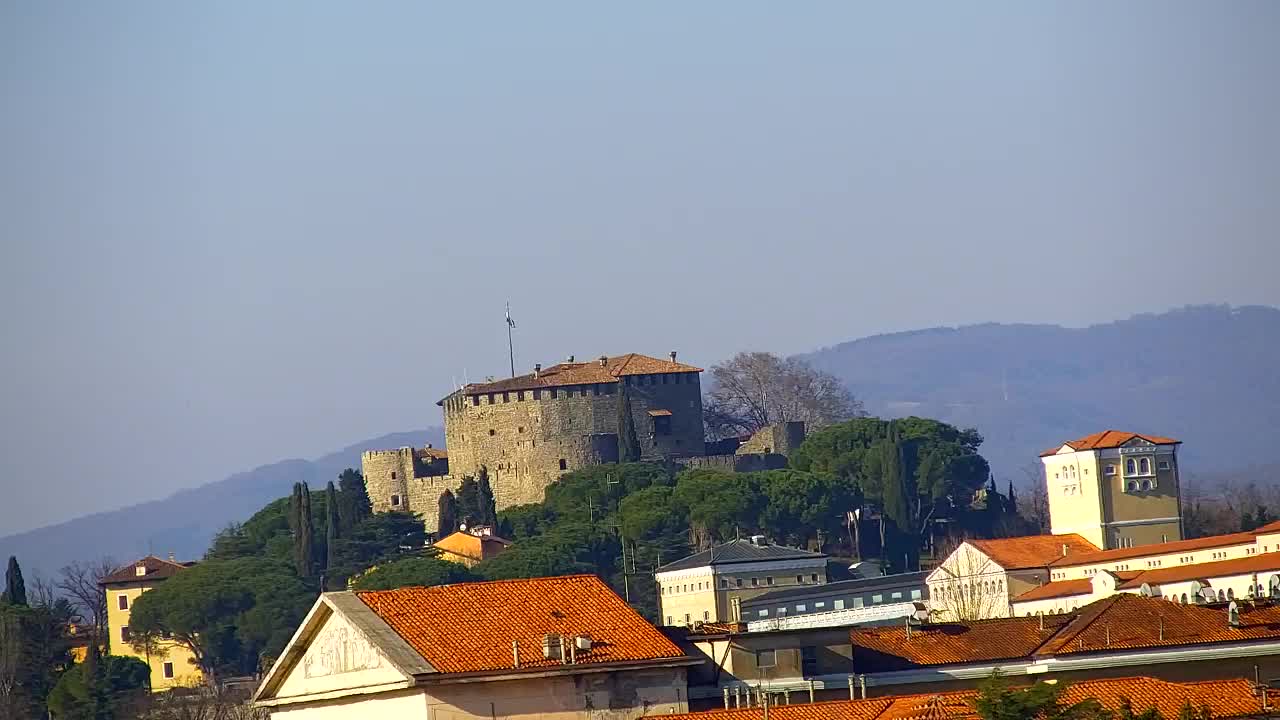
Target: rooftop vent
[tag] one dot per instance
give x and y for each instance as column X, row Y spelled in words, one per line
column 552, row 646
column 537, row 369
column 570, row 359
column 604, row 360
column 759, row 541
column 673, row 356
column 583, row 642
column 1233, row 614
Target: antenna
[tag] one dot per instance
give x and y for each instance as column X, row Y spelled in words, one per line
column 511, row 352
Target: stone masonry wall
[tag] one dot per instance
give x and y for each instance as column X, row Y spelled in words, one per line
column 526, row 439
column 395, row 483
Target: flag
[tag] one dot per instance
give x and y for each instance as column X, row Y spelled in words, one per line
column 510, row 322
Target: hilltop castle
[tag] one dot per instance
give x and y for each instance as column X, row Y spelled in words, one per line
column 526, row 431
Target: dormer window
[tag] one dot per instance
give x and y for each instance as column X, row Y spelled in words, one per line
column 140, row 570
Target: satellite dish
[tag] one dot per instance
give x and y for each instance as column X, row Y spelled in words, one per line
column 462, row 527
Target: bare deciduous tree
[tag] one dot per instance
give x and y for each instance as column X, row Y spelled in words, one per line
column 203, row 703
column 80, row 582
column 967, row 586
column 753, row 390
column 1034, row 503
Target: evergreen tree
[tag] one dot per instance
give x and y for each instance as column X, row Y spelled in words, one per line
column 301, row 524
column 15, row 589
column 899, row 541
column 628, row 443
column 448, row 515
column 332, row 531
column 353, row 500
column 469, row 510
column 488, row 506
column 1012, row 509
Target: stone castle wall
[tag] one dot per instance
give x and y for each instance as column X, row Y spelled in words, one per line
column 399, row 480
column 527, row 439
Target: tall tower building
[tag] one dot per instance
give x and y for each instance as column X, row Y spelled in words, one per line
column 1116, row 489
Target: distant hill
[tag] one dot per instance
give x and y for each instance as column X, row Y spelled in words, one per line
column 1206, row 375
column 186, row 521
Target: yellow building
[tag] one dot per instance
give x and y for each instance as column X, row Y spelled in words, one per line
column 172, row 665
column 469, row 547
column 1116, row 489
column 710, row 586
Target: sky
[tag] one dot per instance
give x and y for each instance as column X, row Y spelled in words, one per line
column 232, row 233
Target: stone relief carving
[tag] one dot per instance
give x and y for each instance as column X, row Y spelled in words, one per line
column 339, row 650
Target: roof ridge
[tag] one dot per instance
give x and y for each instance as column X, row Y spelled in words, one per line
column 474, row 582
column 1089, row 614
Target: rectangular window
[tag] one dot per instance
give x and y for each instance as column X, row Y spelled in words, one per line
column 563, row 465
column 506, row 397
column 755, row 582
column 765, row 658
column 706, row 616
column 782, row 612
column 520, row 396
column 724, row 583
column 168, row 670
column 838, row 604
column 393, row 474
column 799, row 579
column 1164, row 465
column 124, row 633
column 768, row 580
column 664, row 379
column 814, row 577
column 554, row 393
column 395, row 501
column 762, row 613
column 809, row 660
column 915, row 594
column 819, row 605
column 123, row 602
column 895, row 596
column 669, row 620
column 877, row 599
column 1109, row 470
column 737, row 582
column 490, row 398
column 857, row 602
column 537, row 394
column 686, row 618
column 800, row 607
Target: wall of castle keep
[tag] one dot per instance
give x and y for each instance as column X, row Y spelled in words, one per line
column 528, row 438
column 399, row 480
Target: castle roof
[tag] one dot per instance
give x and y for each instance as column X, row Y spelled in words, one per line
column 1109, row 439
column 602, row 370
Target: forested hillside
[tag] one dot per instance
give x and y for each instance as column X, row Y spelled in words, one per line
column 1209, row 376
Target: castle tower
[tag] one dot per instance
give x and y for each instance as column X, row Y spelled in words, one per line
column 1117, row 489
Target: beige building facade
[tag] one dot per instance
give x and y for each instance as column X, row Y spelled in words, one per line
column 477, row 651
column 710, row 586
column 172, row 665
column 1116, row 489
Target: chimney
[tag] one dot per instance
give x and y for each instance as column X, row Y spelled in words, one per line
column 604, row 360
column 673, row 356
column 1064, row 549
column 570, row 359
column 537, row 370
column 515, row 653
column 172, row 558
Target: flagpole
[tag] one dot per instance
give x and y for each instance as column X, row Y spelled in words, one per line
column 511, row 351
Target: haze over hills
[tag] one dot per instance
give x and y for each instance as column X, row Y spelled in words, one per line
column 1205, row 375
column 185, row 522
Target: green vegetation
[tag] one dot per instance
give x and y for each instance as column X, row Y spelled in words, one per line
column 34, row 649
column 446, row 514
column 628, row 443
column 15, row 588
column 424, row 571
column 998, row 701
column 100, row 688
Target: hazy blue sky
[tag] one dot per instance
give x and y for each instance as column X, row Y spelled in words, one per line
column 237, row 232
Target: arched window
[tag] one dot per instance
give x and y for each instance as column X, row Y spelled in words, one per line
column 1133, row 485
column 1145, row 465
column 1130, row 467
column 1231, row 594
column 1184, row 598
column 1146, row 484
column 1222, row 596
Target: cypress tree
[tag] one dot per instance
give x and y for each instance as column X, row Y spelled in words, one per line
column 469, row 501
column 488, row 507
column 353, row 500
column 448, row 515
column 15, row 588
column 331, row 529
column 1013, row 501
column 300, row 516
column 628, row 443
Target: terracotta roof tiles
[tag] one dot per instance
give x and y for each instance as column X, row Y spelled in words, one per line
column 584, row 373
column 1018, row 553
column 470, row 627
column 1222, row 568
column 156, row 569
column 1101, row 556
column 1109, row 439
column 1061, row 588
column 888, row 648
column 1224, row 698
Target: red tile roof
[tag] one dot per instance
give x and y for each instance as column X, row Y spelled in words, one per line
column 1271, row 527
column 584, row 373
column 1222, row 568
column 1224, row 698
column 157, row 569
column 1109, row 439
column 1033, row 551
column 1140, row 551
column 469, row 627
column 1061, row 588
column 1119, row 622
column 888, row 648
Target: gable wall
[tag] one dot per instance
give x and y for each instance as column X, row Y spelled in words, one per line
column 339, row 657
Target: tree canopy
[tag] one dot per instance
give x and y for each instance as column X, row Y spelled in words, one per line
column 101, row 688
column 752, row 390
column 424, row 571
